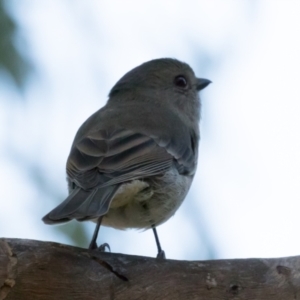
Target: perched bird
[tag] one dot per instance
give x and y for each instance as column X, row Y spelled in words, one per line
column 133, row 161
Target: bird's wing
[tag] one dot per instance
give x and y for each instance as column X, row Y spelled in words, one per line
column 108, row 157
column 102, row 160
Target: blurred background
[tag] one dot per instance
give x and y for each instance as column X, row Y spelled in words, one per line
column 58, row 61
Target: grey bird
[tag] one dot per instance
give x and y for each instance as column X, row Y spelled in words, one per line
column 133, row 161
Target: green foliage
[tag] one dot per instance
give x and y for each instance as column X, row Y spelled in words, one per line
column 12, row 61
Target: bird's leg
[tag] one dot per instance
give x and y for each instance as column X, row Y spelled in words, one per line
column 93, row 244
column 161, row 253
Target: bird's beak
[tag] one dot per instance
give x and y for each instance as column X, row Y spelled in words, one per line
column 202, row 83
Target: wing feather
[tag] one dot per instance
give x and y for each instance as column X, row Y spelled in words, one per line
column 104, row 159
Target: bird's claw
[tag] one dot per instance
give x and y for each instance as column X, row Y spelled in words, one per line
column 103, row 247
column 161, row 255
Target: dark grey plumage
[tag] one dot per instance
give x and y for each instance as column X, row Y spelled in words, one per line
column 133, row 160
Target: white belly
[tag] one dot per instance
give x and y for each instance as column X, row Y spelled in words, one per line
column 143, row 203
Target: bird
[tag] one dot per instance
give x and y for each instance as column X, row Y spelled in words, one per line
column 132, row 162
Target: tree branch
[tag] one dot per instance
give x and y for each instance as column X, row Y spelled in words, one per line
column 31, row 270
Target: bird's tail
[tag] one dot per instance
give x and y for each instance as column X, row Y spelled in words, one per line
column 82, row 205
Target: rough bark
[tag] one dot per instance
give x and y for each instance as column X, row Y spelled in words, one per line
column 32, row 270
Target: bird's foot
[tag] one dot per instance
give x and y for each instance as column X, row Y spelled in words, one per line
column 103, row 247
column 93, row 245
column 161, row 254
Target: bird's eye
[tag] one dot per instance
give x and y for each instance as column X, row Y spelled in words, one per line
column 180, row 81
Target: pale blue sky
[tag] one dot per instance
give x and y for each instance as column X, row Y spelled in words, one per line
column 246, row 194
